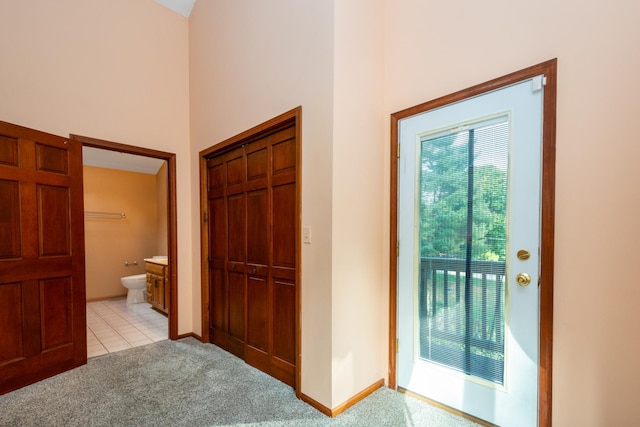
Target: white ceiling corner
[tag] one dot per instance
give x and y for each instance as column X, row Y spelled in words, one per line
column 122, row 161
column 183, row 7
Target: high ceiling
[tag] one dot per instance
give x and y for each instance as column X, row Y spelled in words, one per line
column 183, row 7
column 122, row 161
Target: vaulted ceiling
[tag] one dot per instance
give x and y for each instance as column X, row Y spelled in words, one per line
column 183, row 7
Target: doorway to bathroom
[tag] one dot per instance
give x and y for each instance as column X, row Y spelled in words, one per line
column 130, row 217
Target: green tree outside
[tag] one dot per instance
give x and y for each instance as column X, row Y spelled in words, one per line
column 444, row 198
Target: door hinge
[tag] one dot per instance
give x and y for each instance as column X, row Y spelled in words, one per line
column 397, row 248
column 537, row 83
column 205, row 217
column 398, row 151
column 397, row 344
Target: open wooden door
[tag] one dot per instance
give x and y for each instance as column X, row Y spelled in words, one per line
column 42, row 289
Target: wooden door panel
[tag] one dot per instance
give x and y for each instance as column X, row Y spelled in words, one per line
column 53, row 225
column 284, row 241
column 217, row 236
column 8, row 150
column 283, row 261
column 284, row 306
column 257, row 227
column 32, row 323
column 257, row 304
column 284, row 151
column 218, row 298
column 256, row 185
column 51, row 159
column 56, row 312
column 42, row 291
column 236, row 228
column 257, row 166
column 257, row 157
column 236, row 305
column 12, row 319
column 158, row 292
column 282, row 363
column 218, row 290
column 235, row 168
column 283, row 371
column 219, row 308
column 216, row 181
column 10, row 244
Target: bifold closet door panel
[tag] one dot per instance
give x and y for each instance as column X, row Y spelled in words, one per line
column 283, row 240
column 257, row 271
column 283, row 273
column 236, row 213
column 236, row 249
column 257, row 228
column 252, row 208
column 236, row 340
column 218, row 288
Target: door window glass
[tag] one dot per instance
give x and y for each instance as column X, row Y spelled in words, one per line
column 462, row 247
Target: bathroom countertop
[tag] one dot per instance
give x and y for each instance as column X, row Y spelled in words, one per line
column 161, row 261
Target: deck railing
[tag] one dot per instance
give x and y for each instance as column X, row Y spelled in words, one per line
column 445, row 315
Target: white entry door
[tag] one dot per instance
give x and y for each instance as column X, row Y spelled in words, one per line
column 469, row 198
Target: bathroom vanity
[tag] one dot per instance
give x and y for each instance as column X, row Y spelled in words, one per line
column 158, row 283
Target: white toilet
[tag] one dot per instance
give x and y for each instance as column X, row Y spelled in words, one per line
column 137, row 285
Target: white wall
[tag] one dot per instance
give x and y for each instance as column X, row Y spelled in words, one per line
column 119, row 70
column 358, row 285
column 251, row 61
column 114, row 70
column 437, row 47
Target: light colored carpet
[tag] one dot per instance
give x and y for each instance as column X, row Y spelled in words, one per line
column 188, row 383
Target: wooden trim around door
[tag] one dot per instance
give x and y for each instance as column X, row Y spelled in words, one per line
column 172, row 214
column 549, row 70
column 293, row 116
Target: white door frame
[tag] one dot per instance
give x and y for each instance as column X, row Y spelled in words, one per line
column 549, row 69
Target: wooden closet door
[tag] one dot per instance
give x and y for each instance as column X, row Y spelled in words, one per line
column 271, row 192
column 236, row 248
column 258, row 309
column 282, row 272
column 227, row 243
column 252, row 252
column 218, row 289
column 42, row 289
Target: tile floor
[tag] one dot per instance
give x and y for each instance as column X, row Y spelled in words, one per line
column 115, row 325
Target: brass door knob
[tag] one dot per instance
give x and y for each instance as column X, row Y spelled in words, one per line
column 523, row 279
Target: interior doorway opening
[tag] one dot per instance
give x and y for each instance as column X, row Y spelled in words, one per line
column 168, row 304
